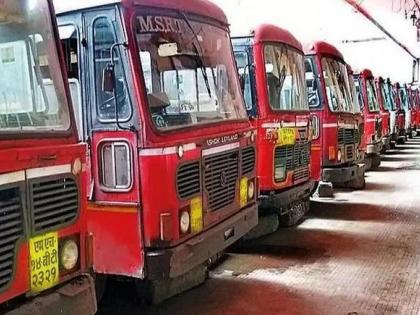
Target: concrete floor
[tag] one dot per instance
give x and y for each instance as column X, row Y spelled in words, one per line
column 358, row 253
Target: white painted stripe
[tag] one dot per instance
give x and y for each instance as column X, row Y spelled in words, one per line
column 271, row 125
column 284, row 124
column 166, row 151
column 333, row 125
column 348, row 126
column 220, row 149
column 12, row 177
column 48, row 171
column 288, row 124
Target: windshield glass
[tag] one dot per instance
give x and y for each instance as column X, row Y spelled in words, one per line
column 189, row 71
column 404, row 98
column 32, row 93
column 285, row 77
column 337, row 85
column 243, row 64
column 371, row 96
column 355, row 101
column 387, row 96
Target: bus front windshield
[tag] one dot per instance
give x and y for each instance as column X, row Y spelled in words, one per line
column 404, row 98
column 356, row 105
column 387, row 96
column 32, row 92
column 285, row 77
column 189, row 71
column 337, row 85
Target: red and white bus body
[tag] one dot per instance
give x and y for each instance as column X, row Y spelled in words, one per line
column 172, row 166
column 43, row 239
column 385, row 104
column 367, row 96
column 336, row 142
column 359, row 116
column 281, row 118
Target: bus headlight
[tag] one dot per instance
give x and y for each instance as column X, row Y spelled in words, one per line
column 184, row 222
column 69, row 254
column 251, row 190
column 76, row 167
column 280, row 172
column 339, row 155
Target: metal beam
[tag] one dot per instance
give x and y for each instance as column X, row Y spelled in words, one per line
column 360, row 9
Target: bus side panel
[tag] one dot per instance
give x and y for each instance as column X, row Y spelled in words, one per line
column 116, row 240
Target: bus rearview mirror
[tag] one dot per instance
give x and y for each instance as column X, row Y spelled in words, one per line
column 108, row 79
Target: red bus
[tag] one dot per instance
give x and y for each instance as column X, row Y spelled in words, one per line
column 399, row 114
column 43, row 239
column 368, row 99
column 270, row 62
column 415, row 109
column 359, row 116
column 172, row 159
column 337, row 139
column 385, row 104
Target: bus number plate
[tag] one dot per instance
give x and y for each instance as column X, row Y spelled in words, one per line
column 286, row 136
column 44, row 270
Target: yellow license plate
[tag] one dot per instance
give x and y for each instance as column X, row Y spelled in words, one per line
column 196, row 207
column 44, row 261
column 286, row 136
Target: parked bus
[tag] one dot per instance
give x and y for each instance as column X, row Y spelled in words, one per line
column 406, row 102
column 385, row 105
column 336, row 140
column 270, row 64
column 399, row 115
column 172, row 160
column 359, row 116
column 43, row 240
column 415, row 109
column 368, row 99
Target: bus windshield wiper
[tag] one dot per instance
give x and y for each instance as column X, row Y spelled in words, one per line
column 198, row 55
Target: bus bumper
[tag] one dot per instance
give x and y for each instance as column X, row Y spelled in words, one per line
column 343, row 174
column 374, row 148
column 76, row 297
column 386, row 143
column 286, row 197
column 174, row 262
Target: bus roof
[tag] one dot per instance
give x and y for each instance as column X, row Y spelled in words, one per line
column 323, row 48
column 367, row 73
column 199, row 7
column 272, row 33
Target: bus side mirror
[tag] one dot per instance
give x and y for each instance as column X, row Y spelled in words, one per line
column 314, row 85
column 242, row 82
column 108, row 79
column 416, row 70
